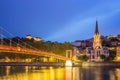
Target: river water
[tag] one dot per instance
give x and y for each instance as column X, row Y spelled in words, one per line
column 59, row 73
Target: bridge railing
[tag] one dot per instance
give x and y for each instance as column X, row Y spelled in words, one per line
column 30, row 51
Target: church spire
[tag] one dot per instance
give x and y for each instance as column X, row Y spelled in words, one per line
column 97, row 39
column 96, row 28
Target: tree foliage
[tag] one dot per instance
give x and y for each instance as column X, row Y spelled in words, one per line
column 102, row 57
column 48, row 46
column 83, row 58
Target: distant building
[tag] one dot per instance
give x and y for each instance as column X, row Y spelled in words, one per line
column 117, row 37
column 93, row 47
column 34, row 38
column 96, row 50
column 82, row 43
column 118, row 53
column 37, row 39
column 114, row 43
column 111, row 36
column 118, row 43
column 114, row 40
column 29, row 37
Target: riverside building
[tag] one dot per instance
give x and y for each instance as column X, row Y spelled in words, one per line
column 97, row 49
column 92, row 48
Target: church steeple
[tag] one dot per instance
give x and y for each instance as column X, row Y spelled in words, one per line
column 97, row 39
column 96, row 28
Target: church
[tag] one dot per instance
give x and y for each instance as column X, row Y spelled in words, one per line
column 97, row 49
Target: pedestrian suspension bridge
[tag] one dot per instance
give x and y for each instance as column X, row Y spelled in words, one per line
column 20, row 47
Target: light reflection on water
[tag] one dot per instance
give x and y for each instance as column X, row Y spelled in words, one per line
column 58, row 73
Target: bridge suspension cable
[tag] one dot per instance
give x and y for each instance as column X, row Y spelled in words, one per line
column 11, row 42
column 7, row 39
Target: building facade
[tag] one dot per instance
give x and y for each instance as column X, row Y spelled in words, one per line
column 96, row 50
column 29, row 37
column 34, row 38
column 80, row 45
column 118, row 53
column 37, row 39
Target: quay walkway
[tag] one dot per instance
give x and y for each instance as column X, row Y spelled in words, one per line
column 32, row 63
column 62, row 64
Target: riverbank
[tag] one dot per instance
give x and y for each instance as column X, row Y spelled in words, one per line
column 31, row 64
column 97, row 64
column 61, row 64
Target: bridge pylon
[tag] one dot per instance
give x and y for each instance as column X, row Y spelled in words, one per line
column 69, row 54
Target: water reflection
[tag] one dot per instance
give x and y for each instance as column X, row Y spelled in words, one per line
column 58, row 73
column 72, row 73
column 7, row 70
column 117, row 72
column 68, row 73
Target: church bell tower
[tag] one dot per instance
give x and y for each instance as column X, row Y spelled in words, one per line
column 97, row 39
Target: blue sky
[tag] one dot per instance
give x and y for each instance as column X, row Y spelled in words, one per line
column 60, row 20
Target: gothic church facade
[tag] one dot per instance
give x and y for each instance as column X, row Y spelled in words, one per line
column 97, row 49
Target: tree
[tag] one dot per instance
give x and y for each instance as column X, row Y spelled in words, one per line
column 102, row 57
column 83, row 58
column 112, row 55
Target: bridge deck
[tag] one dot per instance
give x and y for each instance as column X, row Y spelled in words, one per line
column 13, row 49
column 32, row 63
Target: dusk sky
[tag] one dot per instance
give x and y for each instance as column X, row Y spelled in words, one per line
column 60, row 20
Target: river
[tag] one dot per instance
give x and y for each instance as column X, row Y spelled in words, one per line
column 59, row 73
